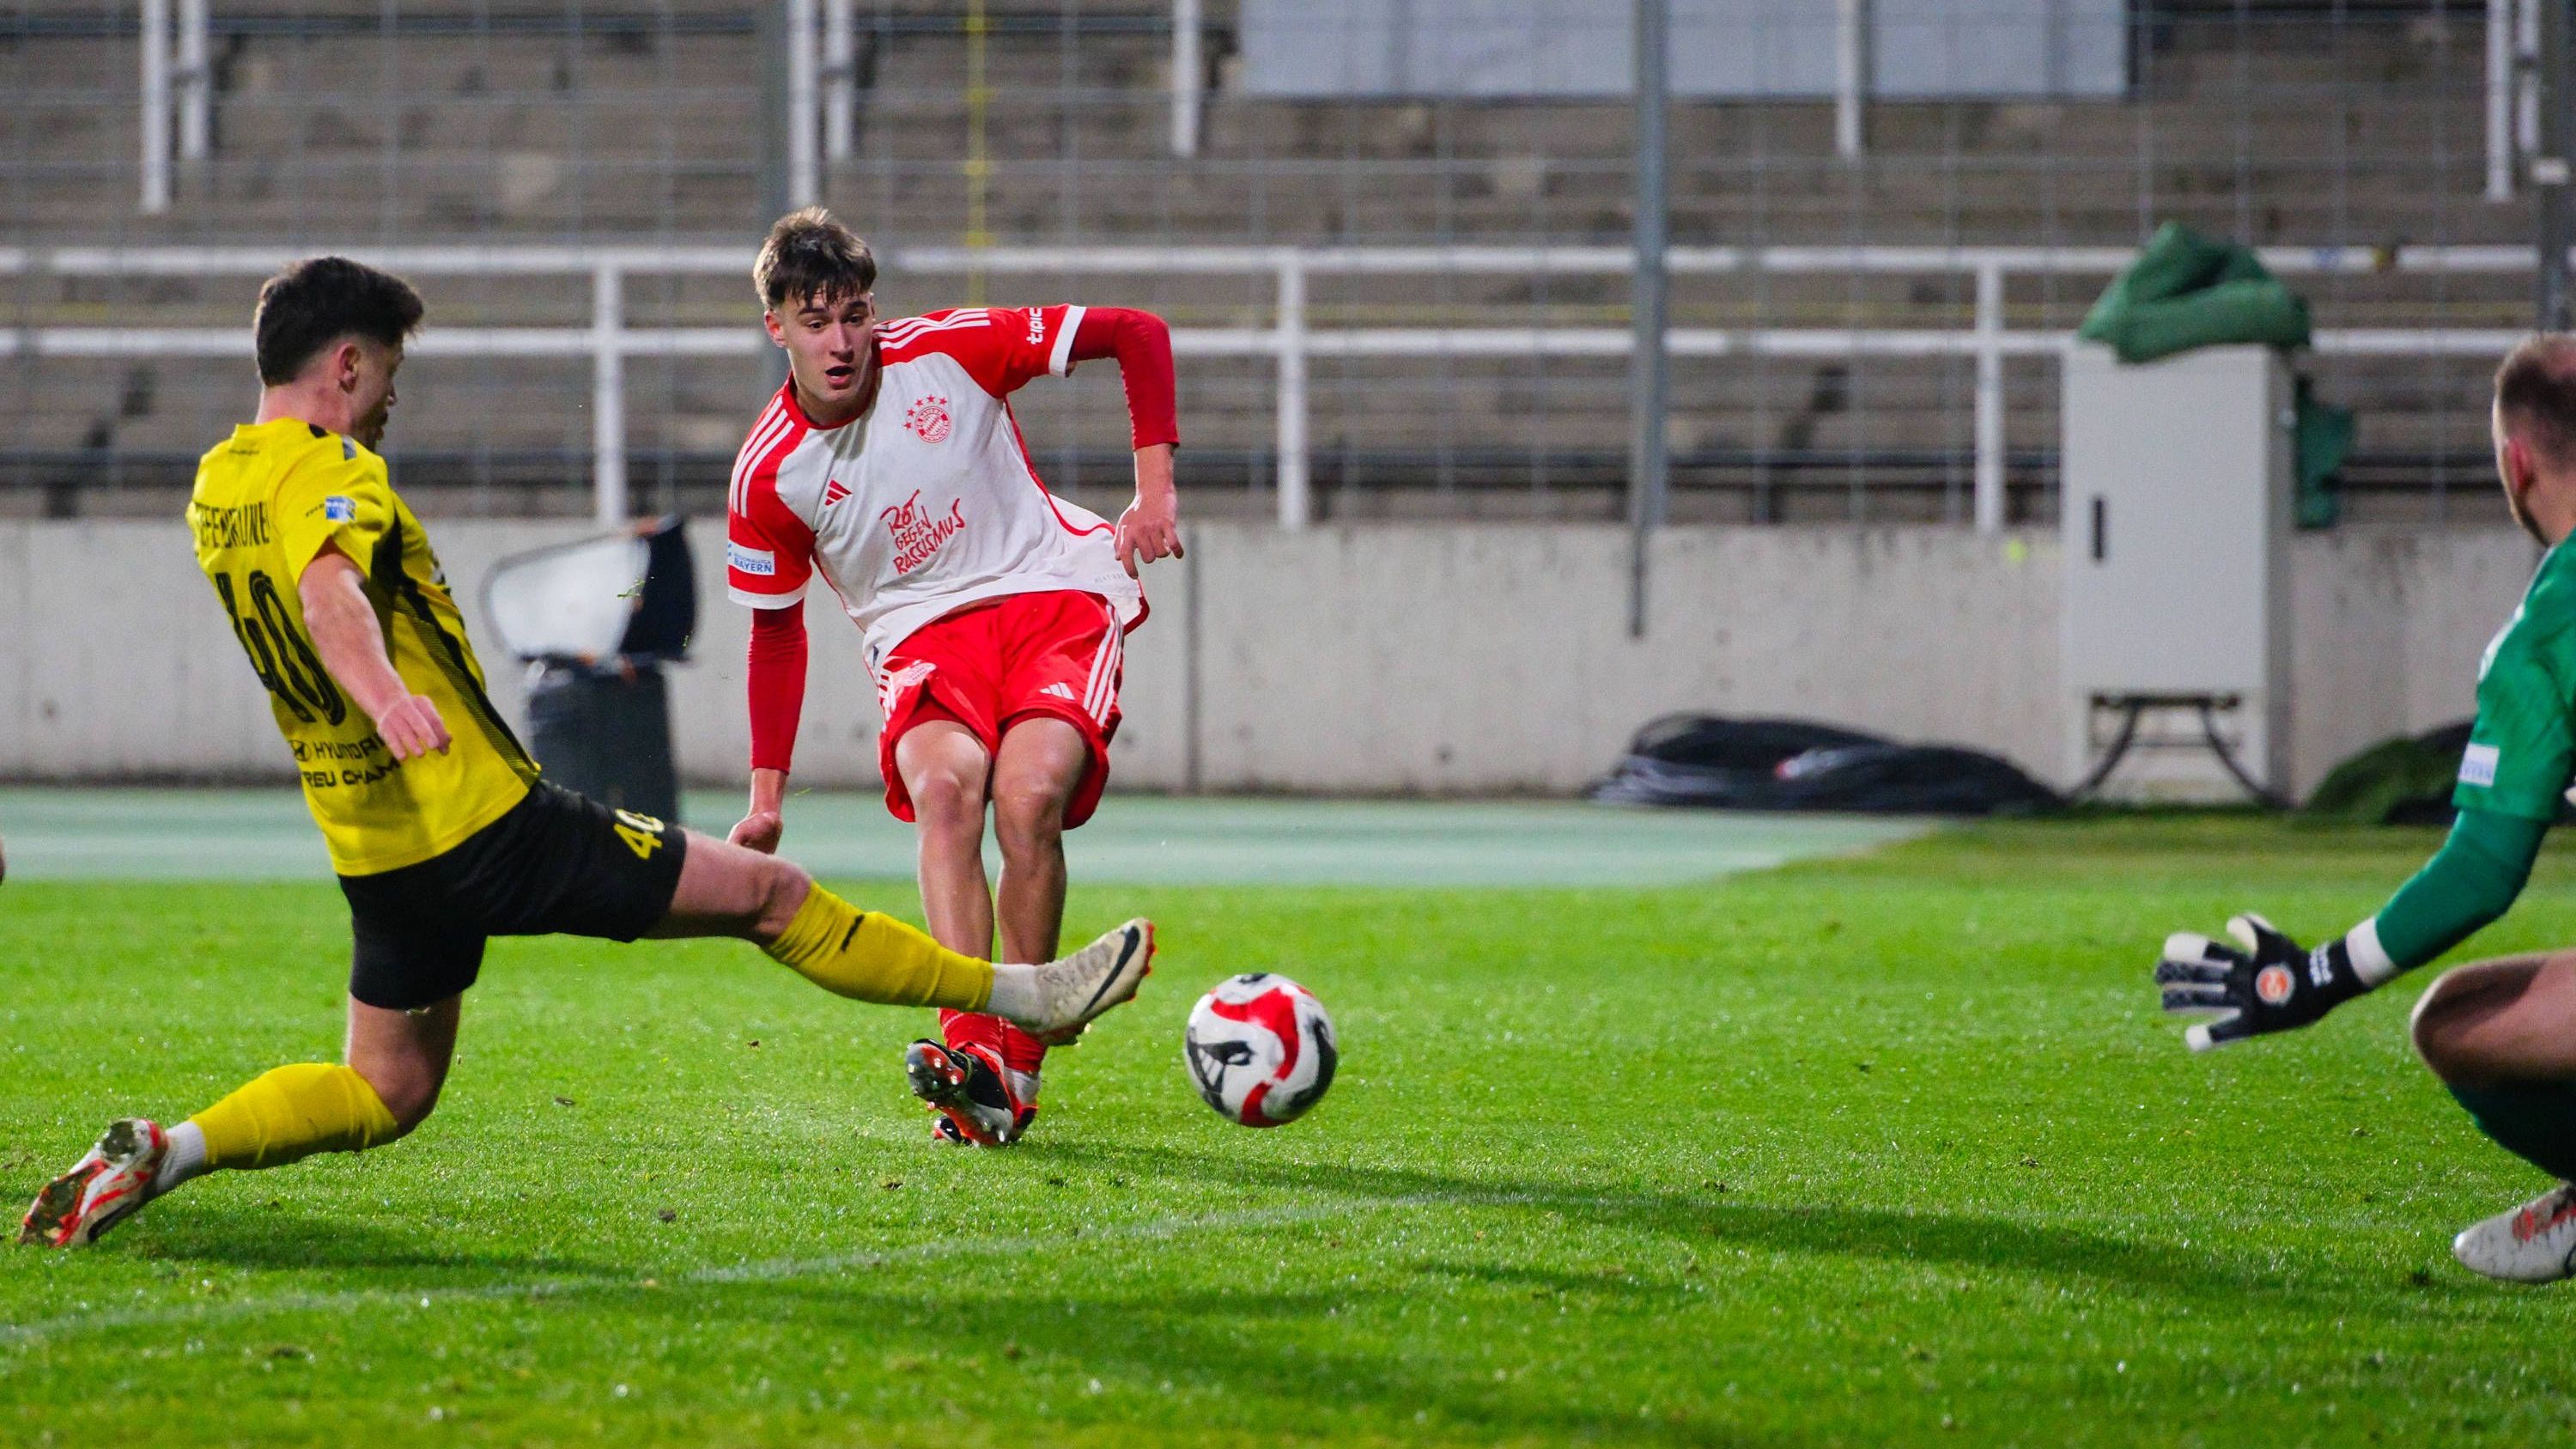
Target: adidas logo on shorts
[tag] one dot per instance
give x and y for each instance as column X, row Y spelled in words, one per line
column 1059, row 689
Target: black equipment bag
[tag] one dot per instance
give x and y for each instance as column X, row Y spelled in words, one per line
column 1789, row 764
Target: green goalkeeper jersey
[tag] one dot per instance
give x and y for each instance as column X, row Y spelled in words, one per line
column 2522, row 752
column 2516, row 769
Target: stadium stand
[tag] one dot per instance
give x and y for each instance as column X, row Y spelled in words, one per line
column 2348, row 126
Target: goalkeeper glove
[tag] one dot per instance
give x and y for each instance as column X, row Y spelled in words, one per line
column 2274, row 984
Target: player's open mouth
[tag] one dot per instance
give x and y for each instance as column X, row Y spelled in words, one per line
column 840, row 375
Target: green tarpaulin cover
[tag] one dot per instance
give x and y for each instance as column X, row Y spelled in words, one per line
column 2186, row 290
column 2322, row 441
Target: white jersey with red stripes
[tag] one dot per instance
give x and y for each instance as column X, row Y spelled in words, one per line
column 928, row 501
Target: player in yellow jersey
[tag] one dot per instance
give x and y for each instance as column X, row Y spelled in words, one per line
column 439, row 826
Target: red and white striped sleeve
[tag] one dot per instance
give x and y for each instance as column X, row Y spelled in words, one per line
column 1002, row 348
column 769, row 551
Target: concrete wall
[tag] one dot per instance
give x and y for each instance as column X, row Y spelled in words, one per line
column 1438, row 658
column 1444, row 658
column 2386, row 630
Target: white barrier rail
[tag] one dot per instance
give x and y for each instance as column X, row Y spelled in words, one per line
column 1289, row 341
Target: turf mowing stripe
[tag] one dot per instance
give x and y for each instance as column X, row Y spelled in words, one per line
column 771, row 1270
column 85, row 834
column 780, row 1269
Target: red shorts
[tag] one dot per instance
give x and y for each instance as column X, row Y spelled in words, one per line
column 990, row 665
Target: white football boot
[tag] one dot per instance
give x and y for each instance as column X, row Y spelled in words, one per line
column 101, row 1190
column 1079, row 987
column 2534, row 1243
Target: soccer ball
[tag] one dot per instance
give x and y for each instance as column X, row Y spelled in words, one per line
column 1261, row 1049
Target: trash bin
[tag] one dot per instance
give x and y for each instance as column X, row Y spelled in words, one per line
column 607, row 734
column 596, row 621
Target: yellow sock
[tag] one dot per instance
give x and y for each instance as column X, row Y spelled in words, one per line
column 861, row 954
column 291, row 1112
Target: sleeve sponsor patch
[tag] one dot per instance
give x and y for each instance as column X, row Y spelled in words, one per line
column 1060, row 358
column 2478, row 765
column 759, row 561
column 340, row 508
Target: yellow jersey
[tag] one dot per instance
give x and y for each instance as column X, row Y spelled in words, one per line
column 267, row 499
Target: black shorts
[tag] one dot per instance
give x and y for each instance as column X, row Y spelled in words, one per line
column 557, row 862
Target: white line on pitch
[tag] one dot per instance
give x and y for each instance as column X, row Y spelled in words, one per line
column 766, row 1271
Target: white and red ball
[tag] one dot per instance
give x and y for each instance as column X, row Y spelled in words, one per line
column 1261, row 1049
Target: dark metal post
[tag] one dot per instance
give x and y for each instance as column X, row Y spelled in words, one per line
column 1648, row 462
column 771, row 36
column 2549, row 167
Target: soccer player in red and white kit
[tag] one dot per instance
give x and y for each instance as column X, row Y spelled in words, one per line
column 990, row 611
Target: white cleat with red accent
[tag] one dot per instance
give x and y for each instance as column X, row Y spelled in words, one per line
column 1076, row 988
column 2534, row 1243
column 101, row 1190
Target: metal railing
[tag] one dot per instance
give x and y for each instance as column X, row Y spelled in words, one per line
column 1289, row 341
column 819, row 54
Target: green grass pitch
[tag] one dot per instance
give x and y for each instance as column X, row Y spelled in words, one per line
column 1881, row 1150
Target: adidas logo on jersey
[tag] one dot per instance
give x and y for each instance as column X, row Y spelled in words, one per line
column 1059, row 689
column 834, row 490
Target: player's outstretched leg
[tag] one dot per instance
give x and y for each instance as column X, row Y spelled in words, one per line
column 2502, row 1036
column 727, row 890
column 398, row 1060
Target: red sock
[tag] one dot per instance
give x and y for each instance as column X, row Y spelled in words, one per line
column 971, row 1028
column 1021, row 1052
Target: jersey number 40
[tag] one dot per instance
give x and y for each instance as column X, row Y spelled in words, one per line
column 279, row 653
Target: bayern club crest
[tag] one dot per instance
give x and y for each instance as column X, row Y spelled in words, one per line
column 1261, row 1049
column 928, row 418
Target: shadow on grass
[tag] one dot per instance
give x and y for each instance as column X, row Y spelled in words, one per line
column 253, row 1238
column 268, row 1239
column 1277, row 1363
column 1281, row 1362
column 1992, row 1244
column 1263, row 1365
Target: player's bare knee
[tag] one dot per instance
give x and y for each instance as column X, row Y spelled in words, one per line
column 782, row 890
column 948, row 797
column 2424, row 1028
column 2439, row 1024
column 414, row 1110
column 409, row 1092
column 1028, row 819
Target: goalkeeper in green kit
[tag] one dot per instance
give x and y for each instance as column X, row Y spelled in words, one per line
column 2500, row 1034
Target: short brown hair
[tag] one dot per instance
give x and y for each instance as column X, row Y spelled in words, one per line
column 321, row 299
column 2535, row 392
column 808, row 254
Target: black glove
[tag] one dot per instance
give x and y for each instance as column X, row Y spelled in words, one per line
column 2274, row 984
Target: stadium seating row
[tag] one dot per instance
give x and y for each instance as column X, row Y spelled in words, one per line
column 514, row 127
